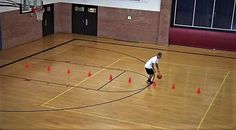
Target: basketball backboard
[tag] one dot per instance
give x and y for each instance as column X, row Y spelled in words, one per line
column 28, row 6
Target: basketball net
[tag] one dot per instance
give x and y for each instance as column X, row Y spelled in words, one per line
column 39, row 13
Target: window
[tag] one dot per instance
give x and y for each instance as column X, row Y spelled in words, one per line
column 234, row 21
column 223, row 14
column 79, row 8
column 207, row 14
column 203, row 13
column 92, row 10
column 184, row 12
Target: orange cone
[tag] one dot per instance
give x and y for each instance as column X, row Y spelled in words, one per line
column 130, row 80
column 89, row 74
column 110, row 77
column 27, row 66
column 198, row 91
column 49, row 69
column 173, row 86
column 68, row 71
column 154, row 84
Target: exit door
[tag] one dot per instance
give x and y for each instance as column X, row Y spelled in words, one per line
column 84, row 19
column 48, row 20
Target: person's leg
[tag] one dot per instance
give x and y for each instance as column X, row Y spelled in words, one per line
column 150, row 73
column 150, row 77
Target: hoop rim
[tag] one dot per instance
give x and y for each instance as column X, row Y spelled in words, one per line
column 36, row 9
column 39, row 13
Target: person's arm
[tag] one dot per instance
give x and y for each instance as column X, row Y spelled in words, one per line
column 153, row 68
column 157, row 68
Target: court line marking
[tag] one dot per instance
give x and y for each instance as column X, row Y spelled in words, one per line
column 81, row 82
column 209, row 107
column 110, row 81
column 34, row 54
column 108, row 118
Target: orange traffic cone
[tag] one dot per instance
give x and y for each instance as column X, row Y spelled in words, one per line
column 198, row 91
column 110, row 77
column 173, row 86
column 129, row 80
column 49, row 69
column 68, row 71
column 27, row 66
column 154, row 84
column 89, row 74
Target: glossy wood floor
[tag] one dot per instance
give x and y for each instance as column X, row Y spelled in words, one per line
column 46, row 85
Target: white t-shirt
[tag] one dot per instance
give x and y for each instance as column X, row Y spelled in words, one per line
column 149, row 63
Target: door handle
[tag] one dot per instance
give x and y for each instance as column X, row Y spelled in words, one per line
column 86, row 22
column 46, row 22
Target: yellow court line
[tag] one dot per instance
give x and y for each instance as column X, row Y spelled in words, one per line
column 109, row 118
column 80, row 82
column 209, row 107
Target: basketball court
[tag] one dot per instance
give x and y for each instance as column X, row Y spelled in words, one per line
column 75, row 81
column 88, row 83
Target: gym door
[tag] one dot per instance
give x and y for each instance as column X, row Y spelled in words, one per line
column 84, row 19
column 48, row 20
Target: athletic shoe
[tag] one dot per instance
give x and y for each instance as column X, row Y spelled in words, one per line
column 149, row 82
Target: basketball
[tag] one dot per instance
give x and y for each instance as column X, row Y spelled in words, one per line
column 159, row 76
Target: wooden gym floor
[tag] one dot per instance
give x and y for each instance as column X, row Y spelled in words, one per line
column 46, row 85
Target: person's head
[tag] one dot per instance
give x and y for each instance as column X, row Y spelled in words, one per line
column 159, row 55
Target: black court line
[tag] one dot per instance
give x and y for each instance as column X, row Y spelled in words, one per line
column 36, row 53
column 110, row 80
column 157, row 49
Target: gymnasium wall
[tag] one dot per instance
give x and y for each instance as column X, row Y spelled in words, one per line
column 114, row 23
column 150, row 5
column 142, row 27
column 148, row 24
column 18, row 28
column 62, row 18
column 145, row 26
column 164, row 22
column 203, row 38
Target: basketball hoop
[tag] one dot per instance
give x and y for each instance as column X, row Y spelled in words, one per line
column 38, row 12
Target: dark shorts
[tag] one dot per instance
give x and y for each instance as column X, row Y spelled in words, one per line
column 149, row 71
